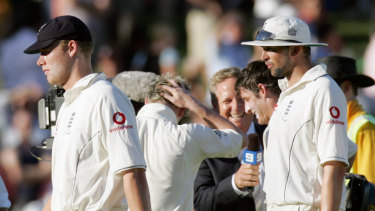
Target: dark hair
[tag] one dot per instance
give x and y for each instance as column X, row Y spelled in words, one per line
column 86, row 47
column 306, row 51
column 257, row 72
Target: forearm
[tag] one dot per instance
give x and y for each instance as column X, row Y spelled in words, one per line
column 215, row 121
column 184, row 99
column 333, row 178
column 209, row 115
column 47, row 206
column 136, row 189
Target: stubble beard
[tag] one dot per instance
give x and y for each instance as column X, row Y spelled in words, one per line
column 278, row 72
column 281, row 72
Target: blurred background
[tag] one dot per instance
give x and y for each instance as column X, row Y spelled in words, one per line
column 193, row 38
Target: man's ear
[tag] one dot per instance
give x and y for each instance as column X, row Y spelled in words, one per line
column 147, row 100
column 263, row 91
column 294, row 50
column 215, row 105
column 72, row 47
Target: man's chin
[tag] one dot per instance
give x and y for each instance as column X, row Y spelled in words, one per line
column 262, row 122
column 236, row 122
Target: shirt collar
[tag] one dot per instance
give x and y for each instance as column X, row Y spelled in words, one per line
column 81, row 85
column 311, row 75
column 158, row 111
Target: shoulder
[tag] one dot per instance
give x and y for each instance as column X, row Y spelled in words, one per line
column 326, row 85
column 103, row 86
column 369, row 127
column 325, row 81
column 104, row 95
column 105, row 89
column 319, row 79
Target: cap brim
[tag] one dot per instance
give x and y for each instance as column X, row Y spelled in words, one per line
column 359, row 80
column 281, row 43
column 35, row 47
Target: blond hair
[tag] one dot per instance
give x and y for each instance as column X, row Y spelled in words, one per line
column 220, row 76
column 154, row 94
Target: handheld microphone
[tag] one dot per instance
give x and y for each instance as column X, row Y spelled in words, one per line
column 253, row 154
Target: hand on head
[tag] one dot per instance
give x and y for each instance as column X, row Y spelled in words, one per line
column 177, row 95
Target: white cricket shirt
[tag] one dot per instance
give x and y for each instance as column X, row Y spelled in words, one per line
column 307, row 129
column 96, row 139
column 173, row 154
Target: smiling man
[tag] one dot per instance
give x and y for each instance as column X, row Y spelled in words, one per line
column 226, row 101
column 223, row 183
column 259, row 90
column 260, row 93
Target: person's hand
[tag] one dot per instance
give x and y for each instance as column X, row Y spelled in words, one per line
column 177, row 95
column 247, row 176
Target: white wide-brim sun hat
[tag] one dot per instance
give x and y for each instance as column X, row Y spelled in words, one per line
column 284, row 31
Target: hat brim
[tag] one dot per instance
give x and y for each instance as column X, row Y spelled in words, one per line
column 281, row 43
column 358, row 80
column 35, row 47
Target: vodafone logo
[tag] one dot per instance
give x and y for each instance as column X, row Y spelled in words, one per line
column 335, row 112
column 119, row 118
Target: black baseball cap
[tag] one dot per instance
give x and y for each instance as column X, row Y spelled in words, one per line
column 342, row 68
column 60, row 28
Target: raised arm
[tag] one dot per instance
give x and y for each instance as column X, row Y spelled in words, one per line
column 182, row 98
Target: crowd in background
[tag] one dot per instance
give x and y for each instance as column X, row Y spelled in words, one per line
column 194, row 38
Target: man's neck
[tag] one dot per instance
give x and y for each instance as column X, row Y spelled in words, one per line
column 79, row 71
column 297, row 73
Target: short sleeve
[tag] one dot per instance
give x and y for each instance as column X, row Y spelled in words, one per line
column 331, row 123
column 120, row 133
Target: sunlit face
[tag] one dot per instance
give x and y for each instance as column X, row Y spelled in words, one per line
column 277, row 61
column 260, row 106
column 231, row 106
column 55, row 64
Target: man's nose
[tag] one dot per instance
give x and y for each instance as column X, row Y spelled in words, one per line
column 40, row 61
column 247, row 108
column 264, row 56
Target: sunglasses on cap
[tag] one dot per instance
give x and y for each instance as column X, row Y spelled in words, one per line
column 265, row 35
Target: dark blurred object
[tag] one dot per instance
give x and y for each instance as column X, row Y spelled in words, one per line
column 360, row 194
